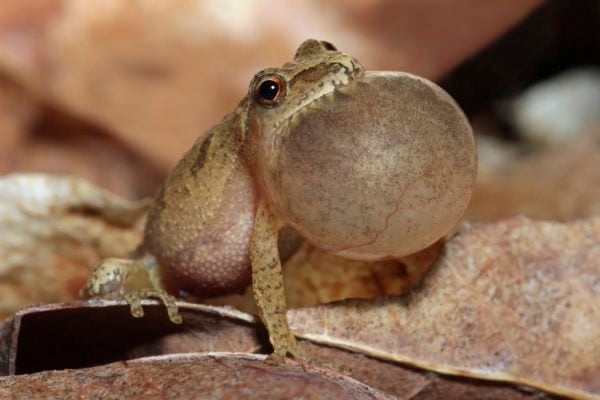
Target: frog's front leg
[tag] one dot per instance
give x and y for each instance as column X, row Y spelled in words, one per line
column 267, row 285
column 132, row 280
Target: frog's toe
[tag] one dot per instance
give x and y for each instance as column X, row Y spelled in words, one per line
column 279, row 355
column 135, row 303
column 299, row 354
column 275, row 358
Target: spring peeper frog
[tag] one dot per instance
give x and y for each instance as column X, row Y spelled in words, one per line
column 368, row 165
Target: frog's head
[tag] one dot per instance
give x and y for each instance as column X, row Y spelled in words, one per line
column 318, row 68
column 366, row 164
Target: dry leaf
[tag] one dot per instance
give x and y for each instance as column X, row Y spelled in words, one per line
column 59, row 144
column 82, row 334
column 448, row 325
column 559, row 183
column 35, row 138
column 15, row 113
column 222, row 376
column 53, row 230
column 516, row 301
column 313, row 276
column 409, row 383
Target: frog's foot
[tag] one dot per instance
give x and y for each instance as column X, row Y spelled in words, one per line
column 132, row 280
column 293, row 350
column 114, row 276
column 134, row 300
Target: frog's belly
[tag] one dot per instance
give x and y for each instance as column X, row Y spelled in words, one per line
column 200, row 229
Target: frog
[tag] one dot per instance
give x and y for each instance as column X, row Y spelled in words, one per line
column 368, row 165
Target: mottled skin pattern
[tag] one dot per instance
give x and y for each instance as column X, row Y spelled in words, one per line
column 367, row 165
column 204, row 214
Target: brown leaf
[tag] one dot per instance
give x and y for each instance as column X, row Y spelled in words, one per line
column 223, row 376
column 82, row 334
column 411, row 383
column 72, row 204
column 36, row 138
column 559, row 183
column 57, row 143
column 15, row 112
column 314, row 276
column 516, row 301
column 55, row 229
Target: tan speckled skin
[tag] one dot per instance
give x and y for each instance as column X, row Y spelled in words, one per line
column 199, row 230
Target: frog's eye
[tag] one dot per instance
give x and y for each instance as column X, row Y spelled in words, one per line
column 269, row 90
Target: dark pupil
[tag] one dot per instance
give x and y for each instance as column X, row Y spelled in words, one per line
column 268, row 90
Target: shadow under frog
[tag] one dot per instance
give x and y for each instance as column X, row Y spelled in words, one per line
column 367, row 165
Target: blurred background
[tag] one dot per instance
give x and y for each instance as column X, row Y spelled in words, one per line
column 116, row 91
